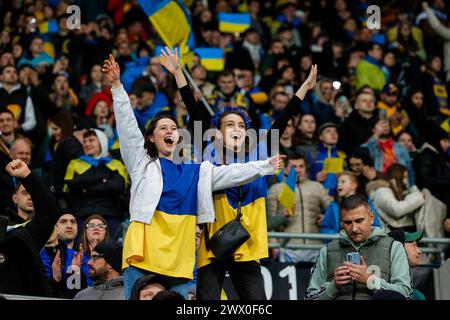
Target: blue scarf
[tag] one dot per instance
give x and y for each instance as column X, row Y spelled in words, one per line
column 95, row 162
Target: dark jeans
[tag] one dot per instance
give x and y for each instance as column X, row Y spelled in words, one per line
column 246, row 277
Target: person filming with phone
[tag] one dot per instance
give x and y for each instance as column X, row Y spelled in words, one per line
column 363, row 264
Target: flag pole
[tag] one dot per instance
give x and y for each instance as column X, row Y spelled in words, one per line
column 196, row 88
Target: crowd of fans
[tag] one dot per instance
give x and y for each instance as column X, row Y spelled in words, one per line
column 376, row 123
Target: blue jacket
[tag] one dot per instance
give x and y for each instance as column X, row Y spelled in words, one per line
column 331, row 221
column 401, row 154
column 133, row 70
column 160, row 103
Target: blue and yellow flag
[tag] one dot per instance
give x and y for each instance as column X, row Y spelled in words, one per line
column 173, row 24
column 234, row 22
column 287, row 194
column 50, row 26
column 211, row 58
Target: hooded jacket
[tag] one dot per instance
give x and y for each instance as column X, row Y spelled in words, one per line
column 110, row 290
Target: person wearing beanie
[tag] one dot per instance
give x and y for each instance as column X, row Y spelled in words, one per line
column 105, row 268
column 432, row 167
column 95, row 182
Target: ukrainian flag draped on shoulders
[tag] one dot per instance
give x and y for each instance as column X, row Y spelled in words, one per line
column 172, row 21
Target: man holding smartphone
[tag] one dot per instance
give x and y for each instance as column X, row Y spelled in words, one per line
column 382, row 268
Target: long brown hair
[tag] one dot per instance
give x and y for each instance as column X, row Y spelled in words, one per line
column 83, row 239
column 395, row 173
column 152, row 151
column 65, row 121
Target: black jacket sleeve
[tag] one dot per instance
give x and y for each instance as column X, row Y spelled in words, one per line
column 45, row 208
column 292, row 108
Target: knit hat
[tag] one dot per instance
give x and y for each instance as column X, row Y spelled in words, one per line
column 327, row 125
column 111, row 251
column 99, row 96
column 145, row 281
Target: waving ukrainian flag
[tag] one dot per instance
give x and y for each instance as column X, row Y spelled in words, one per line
column 173, row 24
column 287, row 194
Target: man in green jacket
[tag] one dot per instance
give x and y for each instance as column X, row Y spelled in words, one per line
column 383, row 268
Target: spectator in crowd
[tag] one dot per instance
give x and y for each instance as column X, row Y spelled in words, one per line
column 22, row 149
column 95, row 181
column 348, row 185
column 148, row 286
column 398, row 118
column 227, row 93
column 15, row 97
column 278, row 102
column 443, row 32
column 329, row 160
column 94, row 85
column 396, row 200
column 24, row 204
column 415, row 108
column 62, row 96
column 357, row 128
column 64, row 147
column 200, row 76
column 22, row 271
column 94, row 230
column 368, row 70
column 36, row 55
column 311, row 199
column 406, row 140
column 361, row 165
column 62, row 261
column 305, row 140
column 168, row 295
column 7, row 127
column 409, row 241
column 324, row 99
column 105, row 269
column 144, row 162
column 435, row 90
column 335, row 278
column 287, row 137
column 99, row 108
column 432, row 167
column 385, row 152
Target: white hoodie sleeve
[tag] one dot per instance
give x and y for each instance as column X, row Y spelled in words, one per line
column 385, row 199
column 130, row 137
column 30, row 117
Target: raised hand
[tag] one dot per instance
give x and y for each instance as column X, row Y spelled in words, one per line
column 18, row 168
column 311, row 81
column 169, row 59
column 276, row 162
column 111, row 71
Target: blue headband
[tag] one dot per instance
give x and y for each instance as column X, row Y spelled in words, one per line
column 215, row 119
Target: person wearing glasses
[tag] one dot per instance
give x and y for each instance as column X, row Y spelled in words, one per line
column 105, row 267
column 95, row 230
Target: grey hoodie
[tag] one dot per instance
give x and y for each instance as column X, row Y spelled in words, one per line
column 110, row 290
column 320, row 289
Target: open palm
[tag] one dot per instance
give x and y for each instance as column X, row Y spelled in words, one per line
column 169, row 59
column 312, row 77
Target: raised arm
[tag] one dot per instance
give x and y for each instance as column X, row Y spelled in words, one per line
column 437, row 26
column 237, row 174
column 293, row 107
column 169, row 59
column 45, row 206
column 130, row 137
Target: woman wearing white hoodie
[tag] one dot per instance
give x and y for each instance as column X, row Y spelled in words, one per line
column 396, row 201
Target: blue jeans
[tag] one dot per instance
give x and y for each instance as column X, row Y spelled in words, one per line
column 133, row 274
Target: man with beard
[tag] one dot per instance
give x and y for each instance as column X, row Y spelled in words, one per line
column 105, row 267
